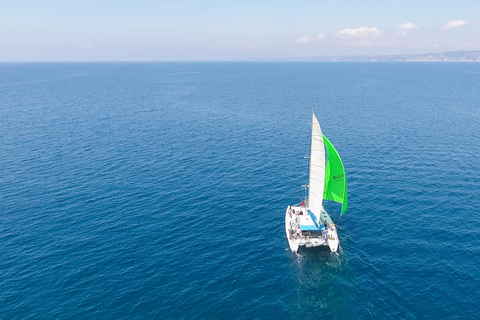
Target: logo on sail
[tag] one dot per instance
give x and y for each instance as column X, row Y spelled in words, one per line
column 337, row 177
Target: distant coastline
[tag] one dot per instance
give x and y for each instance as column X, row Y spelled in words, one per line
column 449, row 56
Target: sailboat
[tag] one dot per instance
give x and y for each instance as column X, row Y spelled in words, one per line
column 308, row 223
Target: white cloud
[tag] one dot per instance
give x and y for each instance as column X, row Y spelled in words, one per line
column 362, row 32
column 304, row 40
column 405, row 28
column 321, row 37
column 408, row 26
column 455, row 24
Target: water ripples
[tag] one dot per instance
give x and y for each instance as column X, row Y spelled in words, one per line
column 159, row 191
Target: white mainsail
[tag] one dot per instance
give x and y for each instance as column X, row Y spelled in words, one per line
column 317, row 170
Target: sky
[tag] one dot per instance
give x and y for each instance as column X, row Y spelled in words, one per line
column 181, row 30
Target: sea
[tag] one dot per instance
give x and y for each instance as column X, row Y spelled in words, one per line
column 159, row 190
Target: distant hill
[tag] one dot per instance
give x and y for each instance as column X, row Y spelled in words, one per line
column 449, row 56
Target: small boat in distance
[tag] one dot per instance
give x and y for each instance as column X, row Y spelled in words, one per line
column 308, row 224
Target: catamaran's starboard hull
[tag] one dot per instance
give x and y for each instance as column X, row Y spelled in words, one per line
column 333, row 244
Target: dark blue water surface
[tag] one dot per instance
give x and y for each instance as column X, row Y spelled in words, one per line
column 158, row 190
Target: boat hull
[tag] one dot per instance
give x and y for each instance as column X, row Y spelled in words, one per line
column 300, row 234
column 333, row 244
column 292, row 242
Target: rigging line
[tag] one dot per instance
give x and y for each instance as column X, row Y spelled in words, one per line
column 308, row 146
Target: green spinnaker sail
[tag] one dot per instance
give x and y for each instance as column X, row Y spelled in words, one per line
column 335, row 180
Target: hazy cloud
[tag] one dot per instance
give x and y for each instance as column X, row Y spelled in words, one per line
column 362, row 32
column 307, row 39
column 321, row 37
column 304, row 40
column 367, row 43
column 455, row 24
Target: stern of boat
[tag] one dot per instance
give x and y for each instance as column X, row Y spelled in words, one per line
column 332, row 238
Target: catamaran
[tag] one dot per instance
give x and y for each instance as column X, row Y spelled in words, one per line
column 307, row 223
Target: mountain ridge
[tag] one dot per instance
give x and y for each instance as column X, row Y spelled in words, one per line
column 447, row 56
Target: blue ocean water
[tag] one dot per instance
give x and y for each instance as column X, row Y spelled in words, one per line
column 158, row 190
